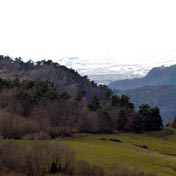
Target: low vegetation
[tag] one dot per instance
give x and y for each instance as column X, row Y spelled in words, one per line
column 36, row 159
column 48, row 158
column 89, row 156
column 172, row 124
column 151, row 152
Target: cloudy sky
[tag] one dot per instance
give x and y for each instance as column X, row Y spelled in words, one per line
column 98, row 35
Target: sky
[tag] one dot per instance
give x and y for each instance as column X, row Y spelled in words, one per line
column 98, row 35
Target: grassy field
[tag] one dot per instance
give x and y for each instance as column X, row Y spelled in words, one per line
column 159, row 157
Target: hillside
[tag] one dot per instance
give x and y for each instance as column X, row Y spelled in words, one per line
column 157, row 88
column 157, row 76
column 65, row 80
column 163, row 96
column 122, row 154
column 159, row 156
column 45, row 100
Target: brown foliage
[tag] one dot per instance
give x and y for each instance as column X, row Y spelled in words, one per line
column 36, row 159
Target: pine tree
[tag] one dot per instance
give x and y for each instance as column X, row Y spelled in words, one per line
column 121, row 120
column 94, row 104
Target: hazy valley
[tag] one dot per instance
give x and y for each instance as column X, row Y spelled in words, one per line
column 157, row 88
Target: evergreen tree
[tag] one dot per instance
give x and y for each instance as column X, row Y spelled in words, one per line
column 145, row 111
column 94, row 104
column 157, row 120
column 138, row 123
column 115, row 100
column 106, row 98
column 151, row 119
column 121, row 120
column 80, row 94
column 106, row 125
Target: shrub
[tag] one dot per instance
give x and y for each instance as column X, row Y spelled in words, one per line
column 84, row 169
column 12, row 156
column 40, row 158
column 37, row 136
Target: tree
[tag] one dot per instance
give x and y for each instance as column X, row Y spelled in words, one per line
column 105, row 122
column 115, row 100
column 16, row 82
column 157, row 120
column 145, row 111
column 138, row 123
column 80, row 94
column 94, row 104
column 121, row 120
column 106, row 98
column 151, row 119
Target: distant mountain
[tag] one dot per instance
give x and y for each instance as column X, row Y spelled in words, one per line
column 163, row 96
column 109, row 69
column 157, row 88
column 64, row 79
column 103, row 71
column 157, row 76
column 106, row 79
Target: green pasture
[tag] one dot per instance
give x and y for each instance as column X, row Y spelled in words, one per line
column 158, row 158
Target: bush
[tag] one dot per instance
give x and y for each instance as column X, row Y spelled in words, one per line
column 37, row 136
column 63, row 159
column 40, row 158
column 15, row 127
column 12, row 156
column 84, row 169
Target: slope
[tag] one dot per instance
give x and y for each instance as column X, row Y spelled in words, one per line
column 157, row 76
column 163, row 96
column 65, row 80
column 159, row 157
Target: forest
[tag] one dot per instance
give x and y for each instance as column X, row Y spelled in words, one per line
column 38, row 108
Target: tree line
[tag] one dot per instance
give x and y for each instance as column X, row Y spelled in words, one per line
column 65, row 79
column 34, row 109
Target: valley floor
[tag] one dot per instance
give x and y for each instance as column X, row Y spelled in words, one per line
column 150, row 152
column 153, row 152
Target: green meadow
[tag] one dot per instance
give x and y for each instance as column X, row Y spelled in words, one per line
column 153, row 152
column 159, row 156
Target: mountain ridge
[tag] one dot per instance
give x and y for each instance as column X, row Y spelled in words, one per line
column 156, row 76
column 163, row 96
column 157, row 88
column 65, row 79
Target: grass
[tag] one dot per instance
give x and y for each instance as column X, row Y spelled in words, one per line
column 159, row 158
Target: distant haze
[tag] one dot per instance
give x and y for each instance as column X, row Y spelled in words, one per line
column 102, row 37
column 106, row 70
